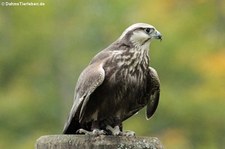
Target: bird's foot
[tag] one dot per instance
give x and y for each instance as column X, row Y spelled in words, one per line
column 128, row 133
column 94, row 132
column 115, row 131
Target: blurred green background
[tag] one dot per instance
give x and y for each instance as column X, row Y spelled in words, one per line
column 44, row 49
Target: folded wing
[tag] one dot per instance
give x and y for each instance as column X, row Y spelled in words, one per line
column 155, row 93
column 89, row 80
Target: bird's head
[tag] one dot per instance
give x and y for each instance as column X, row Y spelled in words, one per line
column 140, row 34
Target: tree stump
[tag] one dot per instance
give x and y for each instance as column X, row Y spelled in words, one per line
column 97, row 142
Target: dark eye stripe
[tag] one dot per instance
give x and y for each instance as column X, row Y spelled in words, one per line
column 141, row 28
column 148, row 30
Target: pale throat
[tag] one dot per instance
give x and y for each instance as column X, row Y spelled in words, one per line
column 140, row 40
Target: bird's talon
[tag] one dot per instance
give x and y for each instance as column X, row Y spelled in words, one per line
column 82, row 131
column 95, row 132
column 128, row 133
column 115, row 131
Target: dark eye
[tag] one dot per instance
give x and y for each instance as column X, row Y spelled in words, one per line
column 147, row 30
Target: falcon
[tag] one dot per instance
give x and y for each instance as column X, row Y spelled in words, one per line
column 116, row 84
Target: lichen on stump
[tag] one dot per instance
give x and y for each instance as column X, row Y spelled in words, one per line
column 97, row 142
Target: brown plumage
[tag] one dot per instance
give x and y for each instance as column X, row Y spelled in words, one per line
column 116, row 84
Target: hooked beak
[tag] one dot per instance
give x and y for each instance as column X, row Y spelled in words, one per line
column 157, row 35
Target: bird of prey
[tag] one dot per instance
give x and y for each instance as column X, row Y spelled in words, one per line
column 116, row 84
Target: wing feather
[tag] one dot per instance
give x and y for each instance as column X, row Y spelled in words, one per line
column 92, row 77
column 155, row 94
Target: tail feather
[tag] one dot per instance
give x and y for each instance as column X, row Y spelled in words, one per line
column 71, row 127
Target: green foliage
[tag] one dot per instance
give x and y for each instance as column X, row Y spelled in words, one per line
column 44, row 49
